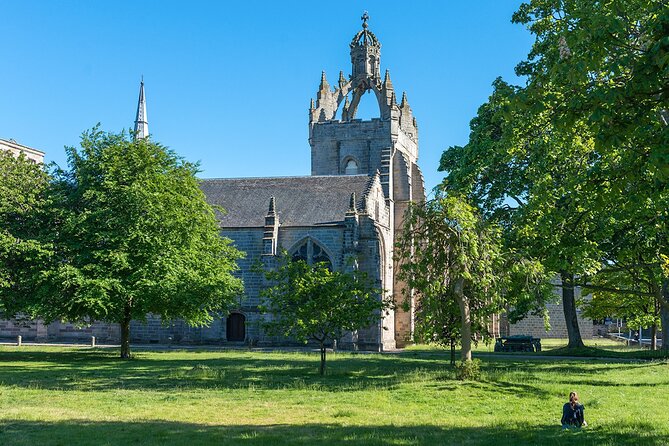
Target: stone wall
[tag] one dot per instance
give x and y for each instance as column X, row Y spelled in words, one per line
column 333, row 142
column 534, row 325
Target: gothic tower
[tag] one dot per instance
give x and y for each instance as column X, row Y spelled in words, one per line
column 342, row 145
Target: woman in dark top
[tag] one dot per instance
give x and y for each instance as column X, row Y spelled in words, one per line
column 572, row 412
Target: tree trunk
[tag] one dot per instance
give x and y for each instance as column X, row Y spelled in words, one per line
column 322, row 367
column 569, row 307
column 664, row 315
column 653, row 337
column 465, row 316
column 452, row 351
column 125, row 333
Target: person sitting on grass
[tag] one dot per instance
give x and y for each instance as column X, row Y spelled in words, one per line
column 572, row 413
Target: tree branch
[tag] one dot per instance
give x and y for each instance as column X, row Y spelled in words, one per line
column 611, row 290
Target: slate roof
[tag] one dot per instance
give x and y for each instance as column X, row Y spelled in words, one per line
column 300, row 201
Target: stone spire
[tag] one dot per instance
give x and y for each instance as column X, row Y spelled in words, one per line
column 351, row 203
column 351, row 234
column 342, row 79
column 271, row 233
column 324, row 86
column 387, row 83
column 141, row 121
column 272, row 207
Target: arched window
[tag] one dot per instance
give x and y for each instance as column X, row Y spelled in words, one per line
column 311, row 252
column 351, row 167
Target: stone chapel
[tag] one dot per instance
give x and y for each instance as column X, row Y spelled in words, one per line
column 347, row 212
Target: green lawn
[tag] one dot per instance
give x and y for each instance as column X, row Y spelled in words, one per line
column 597, row 347
column 86, row 396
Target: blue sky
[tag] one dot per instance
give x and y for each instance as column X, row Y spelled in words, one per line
column 229, row 83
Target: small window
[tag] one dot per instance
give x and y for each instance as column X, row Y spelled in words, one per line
column 351, row 167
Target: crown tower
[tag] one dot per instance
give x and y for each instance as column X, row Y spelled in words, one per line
column 343, row 145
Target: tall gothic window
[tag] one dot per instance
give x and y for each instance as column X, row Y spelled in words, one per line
column 311, row 252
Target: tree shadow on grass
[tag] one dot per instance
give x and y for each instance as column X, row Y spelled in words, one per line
column 85, row 432
column 102, row 370
column 99, row 370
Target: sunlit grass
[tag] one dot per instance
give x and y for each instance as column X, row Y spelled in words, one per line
column 86, row 396
column 596, row 347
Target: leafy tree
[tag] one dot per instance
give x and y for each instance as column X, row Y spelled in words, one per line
column 453, row 260
column 617, row 293
column 605, row 64
column 528, row 177
column 574, row 164
column 133, row 235
column 630, row 284
column 313, row 303
column 22, row 204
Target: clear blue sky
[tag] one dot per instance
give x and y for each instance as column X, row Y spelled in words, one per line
column 229, row 83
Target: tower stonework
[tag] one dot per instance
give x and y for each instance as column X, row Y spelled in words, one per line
column 341, row 145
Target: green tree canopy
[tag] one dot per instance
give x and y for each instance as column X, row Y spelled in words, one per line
column 574, row 164
column 314, row 303
column 133, row 235
column 23, row 185
column 531, row 179
column 606, row 68
column 457, row 264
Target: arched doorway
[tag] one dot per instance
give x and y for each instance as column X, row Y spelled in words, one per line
column 236, row 327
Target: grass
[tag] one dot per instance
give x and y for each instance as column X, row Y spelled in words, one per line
column 594, row 348
column 68, row 396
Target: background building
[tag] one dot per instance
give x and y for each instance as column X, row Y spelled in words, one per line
column 16, row 148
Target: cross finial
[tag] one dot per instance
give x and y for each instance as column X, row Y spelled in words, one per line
column 364, row 18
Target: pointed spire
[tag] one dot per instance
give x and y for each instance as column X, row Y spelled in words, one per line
column 141, row 120
column 393, row 99
column 324, row 83
column 387, row 83
column 272, row 206
column 342, row 79
column 312, row 106
column 351, row 203
column 404, row 100
column 271, row 233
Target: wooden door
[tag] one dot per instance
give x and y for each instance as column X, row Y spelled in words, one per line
column 236, row 328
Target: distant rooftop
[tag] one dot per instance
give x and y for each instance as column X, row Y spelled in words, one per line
column 13, row 146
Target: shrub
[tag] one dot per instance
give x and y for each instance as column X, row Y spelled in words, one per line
column 468, row 370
